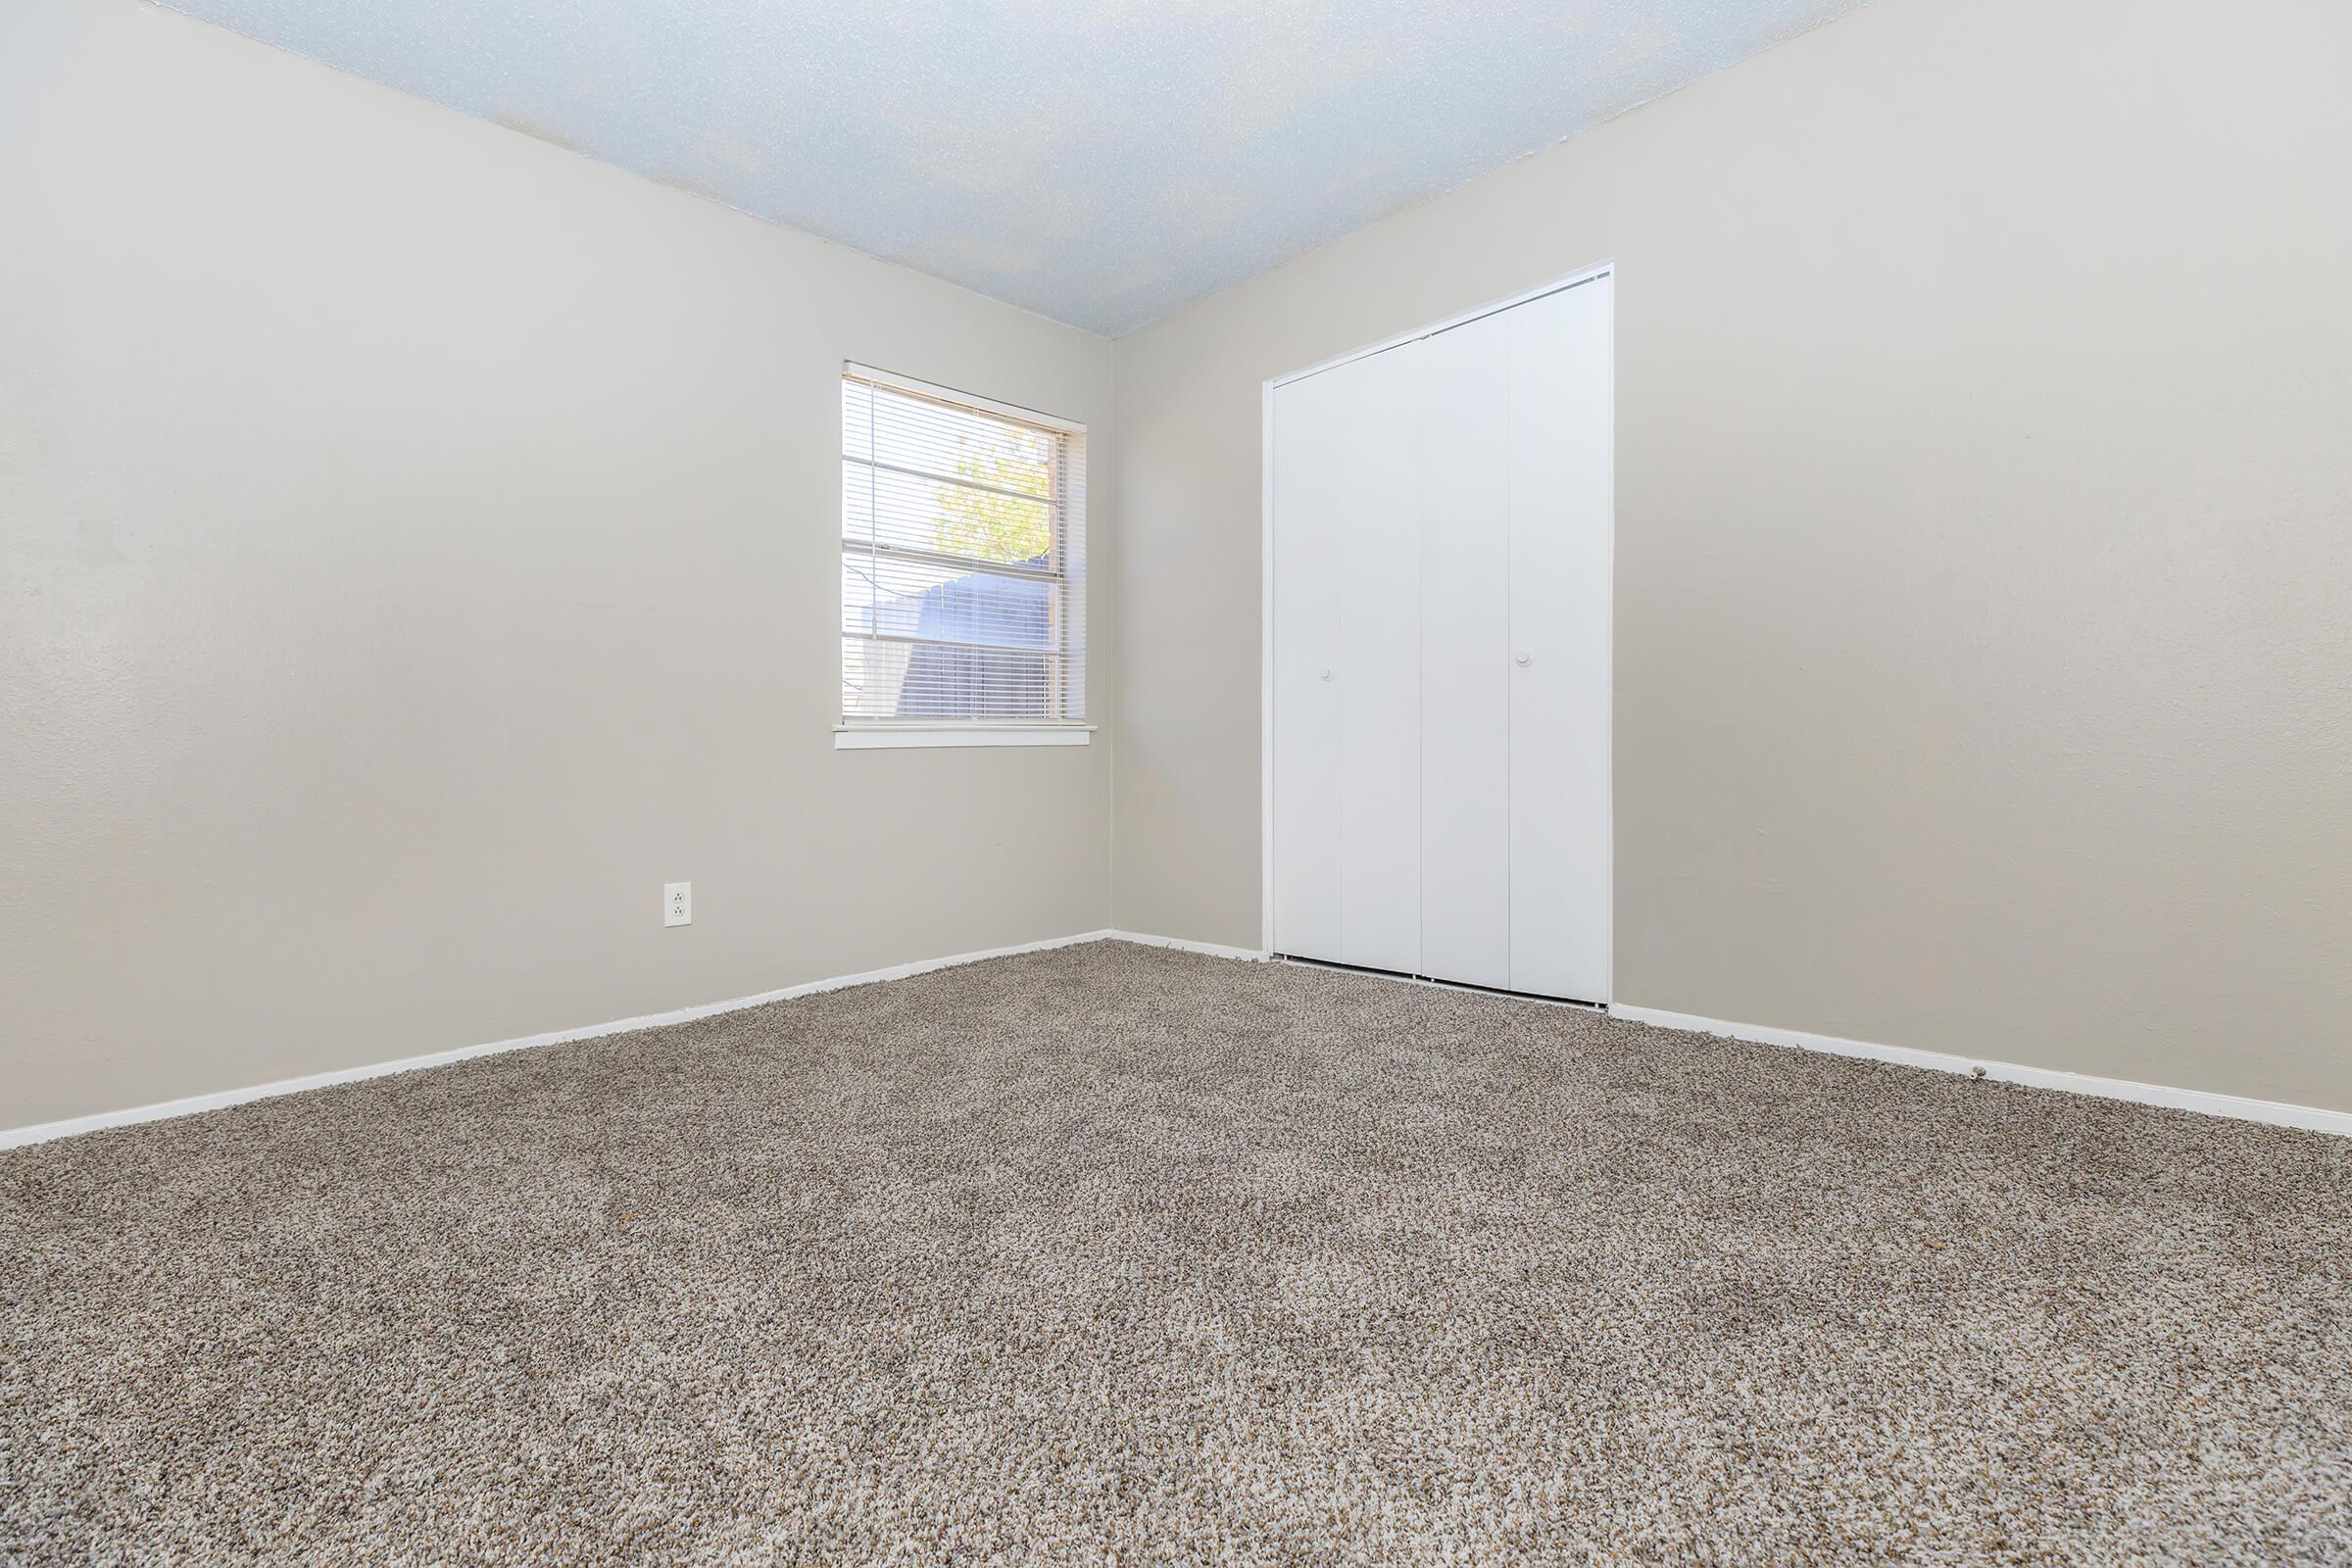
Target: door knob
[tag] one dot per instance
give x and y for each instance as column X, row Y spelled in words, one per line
column 1327, row 672
column 1523, row 658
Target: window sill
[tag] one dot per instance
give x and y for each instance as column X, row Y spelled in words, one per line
column 879, row 737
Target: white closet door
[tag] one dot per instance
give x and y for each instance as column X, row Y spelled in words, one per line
column 1465, row 654
column 1561, row 537
column 1309, row 445
column 1380, row 669
column 1347, row 666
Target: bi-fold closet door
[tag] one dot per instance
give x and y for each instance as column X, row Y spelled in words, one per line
column 1347, row 667
column 1440, row 556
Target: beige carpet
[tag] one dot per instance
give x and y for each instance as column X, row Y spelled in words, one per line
column 1116, row 1255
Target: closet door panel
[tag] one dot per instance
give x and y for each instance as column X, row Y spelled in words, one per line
column 1311, row 443
column 1379, row 676
column 1561, row 443
column 1465, row 654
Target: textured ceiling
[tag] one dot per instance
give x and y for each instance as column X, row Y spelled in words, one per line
column 1100, row 161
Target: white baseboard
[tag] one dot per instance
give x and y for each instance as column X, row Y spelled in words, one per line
column 1212, row 949
column 43, row 1132
column 2275, row 1112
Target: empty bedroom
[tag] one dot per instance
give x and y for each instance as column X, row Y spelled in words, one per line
column 1035, row 783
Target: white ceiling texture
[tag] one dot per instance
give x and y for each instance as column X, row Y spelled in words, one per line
column 1100, row 161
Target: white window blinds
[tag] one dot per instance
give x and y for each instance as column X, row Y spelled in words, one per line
column 963, row 558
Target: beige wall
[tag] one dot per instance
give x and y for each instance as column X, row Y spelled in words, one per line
column 1985, row 563
column 417, row 546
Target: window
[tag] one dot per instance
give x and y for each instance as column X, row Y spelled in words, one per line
column 963, row 567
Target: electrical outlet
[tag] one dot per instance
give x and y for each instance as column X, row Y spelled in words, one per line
column 677, row 903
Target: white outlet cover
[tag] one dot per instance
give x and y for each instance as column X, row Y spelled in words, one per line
column 677, row 903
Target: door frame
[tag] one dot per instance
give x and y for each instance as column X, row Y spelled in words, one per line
column 1265, row 577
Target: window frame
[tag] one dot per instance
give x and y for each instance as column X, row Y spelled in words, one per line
column 871, row 733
